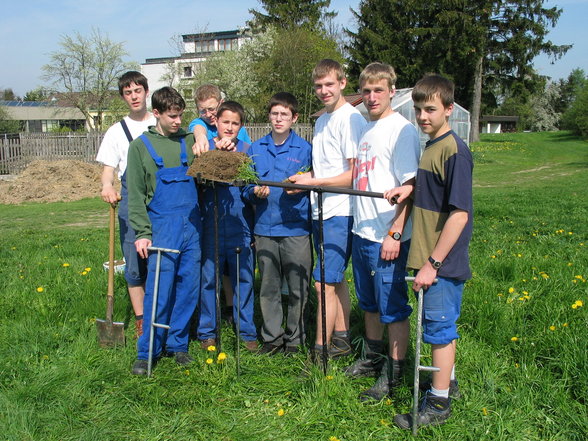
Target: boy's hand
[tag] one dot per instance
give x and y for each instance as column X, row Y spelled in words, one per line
column 201, row 145
column 228, row 144
column 425, row 277
column 141, row 246
column 261, row 192
column 299, row 178
column 390, row 248
column 398, row 194
column 109, row 194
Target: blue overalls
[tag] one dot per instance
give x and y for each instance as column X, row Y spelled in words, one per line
column 235, row 226
column 176, row 224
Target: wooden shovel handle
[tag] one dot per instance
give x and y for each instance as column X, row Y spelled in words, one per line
column 110, row 294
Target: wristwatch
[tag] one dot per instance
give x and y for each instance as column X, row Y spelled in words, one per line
column 394, row 235
column 436, row 264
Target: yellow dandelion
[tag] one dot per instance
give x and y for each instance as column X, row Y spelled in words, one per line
column 45, row 357
column 565, row 325
column 88, row 269
column 527, row 297
column 545, row 275
column 211, row 348
column 13, row 248
column 514, row 339
column 511, row 290
column 209, row 361
column 580, row 303
column 83, row 273
column 493, row 256
column 329, row 377
column 517, row 365
column 388, row 402
column 40, row 289
column 499, row 294
column 570, row 232
column 21, row 277
column 187, row 372
column 570, row 263
column 266, row 401
column 281, row 412
column 222, row 357
column 552, row 328
column 334, row 438
column 484, row 411
column 384, row 422
column 65, row 264
column 519, row 255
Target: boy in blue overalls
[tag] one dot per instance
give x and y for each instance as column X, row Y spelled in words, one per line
column 235, row 226
column 164, row 212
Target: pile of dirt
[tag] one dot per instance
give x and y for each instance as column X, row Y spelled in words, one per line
column 219, row 165
column 53, row 181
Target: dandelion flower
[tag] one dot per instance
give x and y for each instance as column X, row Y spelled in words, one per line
column 384, row 423
column 334, row 438
column 484, row 411
column 329, row 377
column 388, row 402
column 552, row 328
column 222, row 357
column 211, row 348
column 517, row 365
column 84, row 273
column 511, row 290
column 40, row 289
column 187, row 372
column 45, row 357
column 88, row 269
column 514, row 339
column 281, row 412
column 65, row 265
column 565, row 325
column 209, row 361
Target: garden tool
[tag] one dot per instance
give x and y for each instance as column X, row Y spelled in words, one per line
column 417, row 358
column 154, row 324
column 217, row 274
column 110, row 333
column 238, row 321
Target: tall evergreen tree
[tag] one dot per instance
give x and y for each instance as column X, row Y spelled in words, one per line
column 311, row 14
column 485, row 46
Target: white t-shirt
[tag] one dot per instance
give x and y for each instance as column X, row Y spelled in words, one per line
column 388, row 155
column 115, row 145
column 335, row 141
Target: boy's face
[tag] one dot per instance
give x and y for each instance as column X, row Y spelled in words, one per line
column 432, row 116
column 328, row 89
column 228, row 124
column 168, row 122
column 376, row 96
column 207, row 110
column 281, row 119
column 135, row 96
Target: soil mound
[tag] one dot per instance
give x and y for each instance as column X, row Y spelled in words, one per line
column 53, row 181
column 219, row 165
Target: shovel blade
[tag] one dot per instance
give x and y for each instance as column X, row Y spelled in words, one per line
column 110, row 334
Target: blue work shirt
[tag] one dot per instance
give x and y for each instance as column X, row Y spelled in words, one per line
column 280, row 214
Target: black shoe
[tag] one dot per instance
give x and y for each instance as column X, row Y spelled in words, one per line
column 432, row 412
column 371, row 362
column 290, row 350
column 270, row 349
column 389, row 378
column 183, row 358
column 454, row 392
column 317, row 356
column 340, row 347
column 139, row 367
column 227, row 315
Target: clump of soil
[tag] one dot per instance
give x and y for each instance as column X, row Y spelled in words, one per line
column 219, row 165
column 53, row 181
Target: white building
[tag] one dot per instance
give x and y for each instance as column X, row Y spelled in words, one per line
column 178, row 71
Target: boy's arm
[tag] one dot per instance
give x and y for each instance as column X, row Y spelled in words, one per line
column 450, row 233
column 342, row 180
column 108, row 193
column 391, row 246
column 200, row 140
column 137, row 186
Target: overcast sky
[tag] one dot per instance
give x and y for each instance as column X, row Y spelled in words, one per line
column 31, row 30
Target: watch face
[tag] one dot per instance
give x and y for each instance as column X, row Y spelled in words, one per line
column 396, row 235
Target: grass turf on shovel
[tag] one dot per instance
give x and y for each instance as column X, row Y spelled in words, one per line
column 110, row 333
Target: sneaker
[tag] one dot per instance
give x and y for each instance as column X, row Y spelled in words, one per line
column 251, row 345
column 339, row 347
column 183, row 358
column 138, row 328
column 454, row 392
column 432, row 412
column 204, row 344
column 140, row 367
column 270, row 349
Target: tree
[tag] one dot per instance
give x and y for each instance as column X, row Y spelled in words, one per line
column 38, row 94
column 576, row 117
column 7, row 124
column 8, row 95
column 569, row 88
column 485, row 46
column 86, row 69
column 291, row 14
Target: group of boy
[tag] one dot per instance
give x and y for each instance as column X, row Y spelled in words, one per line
column 423, row 223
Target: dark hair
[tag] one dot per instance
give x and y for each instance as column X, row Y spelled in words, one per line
column 130, row 77
column 325, row 67
column 167, row 98
column 432, row 85
column 285, row 99
column 231, row 106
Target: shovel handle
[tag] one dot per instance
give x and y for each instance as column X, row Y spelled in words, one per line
column 110, row 293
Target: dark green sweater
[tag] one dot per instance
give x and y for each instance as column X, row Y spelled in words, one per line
column 141, row 170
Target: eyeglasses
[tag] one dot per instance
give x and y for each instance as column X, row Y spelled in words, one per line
column 282, row 115
column 207, row 110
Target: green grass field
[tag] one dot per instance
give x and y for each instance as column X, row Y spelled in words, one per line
column 522, row 360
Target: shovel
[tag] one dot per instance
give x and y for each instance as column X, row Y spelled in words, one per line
column 110, row 333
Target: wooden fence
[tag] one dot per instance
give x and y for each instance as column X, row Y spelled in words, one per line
column 18, row 151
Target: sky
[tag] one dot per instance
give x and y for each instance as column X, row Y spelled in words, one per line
column 30, row 31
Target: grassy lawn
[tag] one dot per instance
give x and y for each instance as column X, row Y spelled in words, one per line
column 522, row 360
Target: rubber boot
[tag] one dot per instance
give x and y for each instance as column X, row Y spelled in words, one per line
column 340, row 346
column 371, row 362
column 389, row 378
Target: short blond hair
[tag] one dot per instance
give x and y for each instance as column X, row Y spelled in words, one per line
column 374, row 72
column 325, row 67
column 207, row 91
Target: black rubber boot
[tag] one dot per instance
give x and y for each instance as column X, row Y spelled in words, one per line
column 389, row 378
column 340, row 346
column 371, row 362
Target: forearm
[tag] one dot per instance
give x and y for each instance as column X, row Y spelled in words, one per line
column 450, row 233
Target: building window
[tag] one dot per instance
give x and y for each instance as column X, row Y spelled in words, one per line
column 188, row 72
